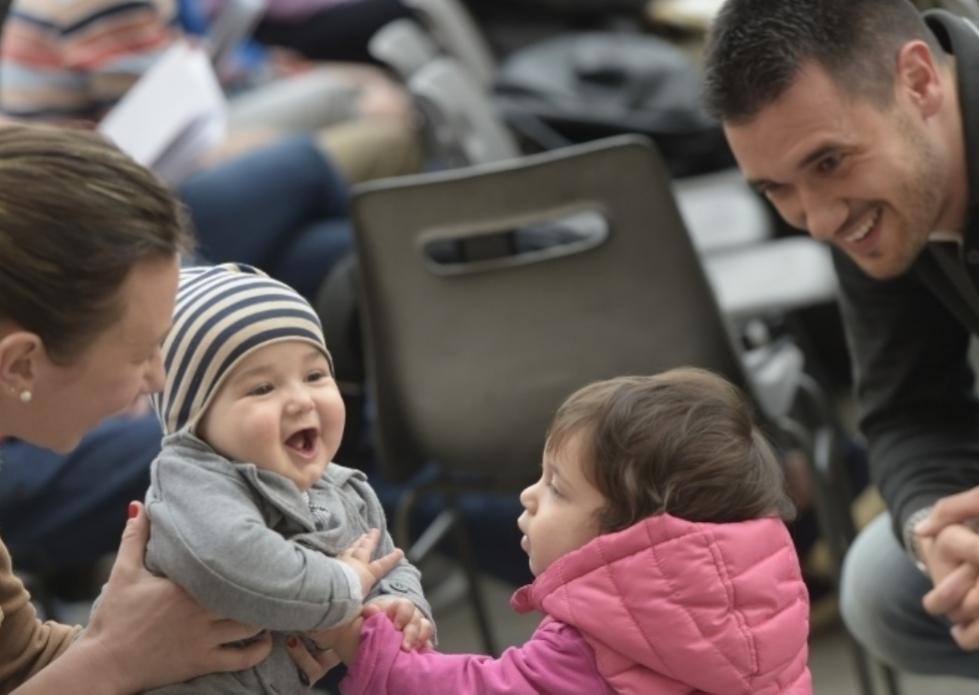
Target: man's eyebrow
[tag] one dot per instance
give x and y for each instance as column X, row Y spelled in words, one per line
column 759, row 185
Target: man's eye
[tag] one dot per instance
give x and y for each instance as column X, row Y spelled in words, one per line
column 828, row 165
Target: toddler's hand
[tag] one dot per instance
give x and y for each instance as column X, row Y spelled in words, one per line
column 405, row 616
column 358, row 556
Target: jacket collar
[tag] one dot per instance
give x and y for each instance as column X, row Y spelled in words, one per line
column 277, row 490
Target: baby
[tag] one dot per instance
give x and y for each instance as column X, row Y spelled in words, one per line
column 662, row 562
column 248, row 512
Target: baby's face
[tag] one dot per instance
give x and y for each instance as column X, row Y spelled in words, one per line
column 279, row 408
column 559, row 509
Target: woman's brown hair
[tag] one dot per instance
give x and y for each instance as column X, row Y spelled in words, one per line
column 681, row 442
column 76, row 215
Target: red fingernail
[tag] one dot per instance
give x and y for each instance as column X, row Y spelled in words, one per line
column 292, row 642
column 133, row 510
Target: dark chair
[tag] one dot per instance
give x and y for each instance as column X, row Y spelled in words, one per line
column 470, row 354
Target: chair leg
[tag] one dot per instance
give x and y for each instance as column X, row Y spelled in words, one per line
column 448, row 521
column 861, row 663
column 476, row 597
column 892, row 684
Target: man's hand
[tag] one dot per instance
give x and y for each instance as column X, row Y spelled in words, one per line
column 406, row 617
column 954, row 509
column 358, row 556
column 948, row 545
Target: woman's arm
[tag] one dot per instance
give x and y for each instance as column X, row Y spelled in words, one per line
column 146, row 632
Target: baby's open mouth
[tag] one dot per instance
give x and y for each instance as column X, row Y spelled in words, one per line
column 303, row 441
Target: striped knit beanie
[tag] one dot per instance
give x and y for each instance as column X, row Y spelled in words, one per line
column 222, row 314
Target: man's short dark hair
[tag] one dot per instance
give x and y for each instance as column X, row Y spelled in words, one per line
column 757, row 47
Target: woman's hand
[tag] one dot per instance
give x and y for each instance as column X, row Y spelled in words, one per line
column 152, row 633
column 313, row 662
column 340, row 643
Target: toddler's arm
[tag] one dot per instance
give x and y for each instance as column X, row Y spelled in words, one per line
column 555, row 660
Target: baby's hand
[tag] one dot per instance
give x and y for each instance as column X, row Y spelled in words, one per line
column 405, row 616
column 358, row 556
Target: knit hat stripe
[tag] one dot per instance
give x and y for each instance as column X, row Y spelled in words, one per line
column 197, row 317
column 189, row 310
column 222, row 314
column 201, row 325
column 220, row 356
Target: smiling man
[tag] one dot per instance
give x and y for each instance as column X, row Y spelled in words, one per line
column 859, row 121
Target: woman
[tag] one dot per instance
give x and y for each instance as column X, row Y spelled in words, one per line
column 89, row 253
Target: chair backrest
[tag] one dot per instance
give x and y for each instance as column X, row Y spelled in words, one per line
column 454, row 29
column 469, row 362
column 403, row 46
column 459, row 116
column 964, row 8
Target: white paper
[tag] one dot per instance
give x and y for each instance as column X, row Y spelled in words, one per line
column 172, row 115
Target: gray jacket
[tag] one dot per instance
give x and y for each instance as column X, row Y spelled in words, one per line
column 246, row 543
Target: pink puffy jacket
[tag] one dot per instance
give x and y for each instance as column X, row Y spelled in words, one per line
column 672, row 606
column 664, row 607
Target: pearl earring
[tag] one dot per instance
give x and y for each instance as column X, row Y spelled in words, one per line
column 25, row 396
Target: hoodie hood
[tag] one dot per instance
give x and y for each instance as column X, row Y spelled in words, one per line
column 670, row 605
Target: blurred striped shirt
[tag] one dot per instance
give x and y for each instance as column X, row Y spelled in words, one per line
column 74, row 59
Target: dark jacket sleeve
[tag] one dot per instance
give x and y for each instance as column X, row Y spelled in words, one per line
column 914, row 388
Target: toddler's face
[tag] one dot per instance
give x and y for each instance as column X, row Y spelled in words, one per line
column 280, row 409
column 559, row 509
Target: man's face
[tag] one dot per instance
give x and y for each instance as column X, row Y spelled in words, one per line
column 873, row 180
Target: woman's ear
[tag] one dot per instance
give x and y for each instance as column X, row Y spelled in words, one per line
column 19, row 353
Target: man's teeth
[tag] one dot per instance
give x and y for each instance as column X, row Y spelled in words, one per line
column 864, row 229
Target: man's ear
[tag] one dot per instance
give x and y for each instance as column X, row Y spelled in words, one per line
column 919, row 78
column 19, row 354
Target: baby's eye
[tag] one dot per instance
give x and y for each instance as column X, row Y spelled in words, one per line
column 260, row 389
column 316, row 375
column 553, row 488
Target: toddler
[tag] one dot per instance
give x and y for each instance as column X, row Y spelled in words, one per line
column 662, row 562
column 248, row 513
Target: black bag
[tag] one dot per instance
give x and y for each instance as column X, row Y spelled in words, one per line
column 592, row 85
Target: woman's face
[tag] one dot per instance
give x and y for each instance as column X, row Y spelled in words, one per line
column 121, row 365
